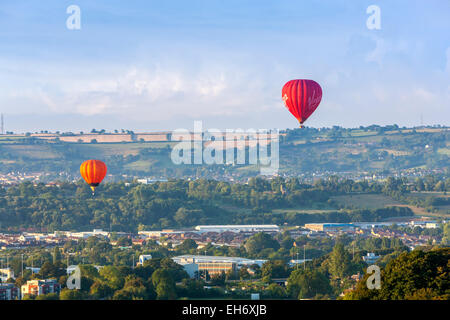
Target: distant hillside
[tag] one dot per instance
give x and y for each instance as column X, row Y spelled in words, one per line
column 366, row 152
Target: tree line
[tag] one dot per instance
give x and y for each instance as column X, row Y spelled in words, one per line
column 182, row 203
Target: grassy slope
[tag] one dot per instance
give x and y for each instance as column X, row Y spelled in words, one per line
column 374, row 201
column 337, row 153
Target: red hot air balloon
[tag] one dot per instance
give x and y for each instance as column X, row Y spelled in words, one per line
column 301, row 97
column 93, row 172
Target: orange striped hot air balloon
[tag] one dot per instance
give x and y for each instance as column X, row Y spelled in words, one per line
column 93, row 172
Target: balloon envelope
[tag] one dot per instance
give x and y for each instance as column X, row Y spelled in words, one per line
column 93, row 172
column 301, row 97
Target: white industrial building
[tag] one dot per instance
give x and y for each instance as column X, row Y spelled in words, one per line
column 187, row 258
column 239, row 228
column 158, row 234
column 424, row 224
column 375, row 225
column 6, row 273
column 294, row 262
column 370, row 258
column 143, row 258
column 83, row 235
column 213, row 264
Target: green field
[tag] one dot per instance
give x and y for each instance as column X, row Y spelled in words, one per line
column 6, row 138
column 146, row 165
column 366, row 201
column 125, row 149
column 104, row 150
column 429, row 194
column 376, row 201
column 362, row 133
column 32, row 151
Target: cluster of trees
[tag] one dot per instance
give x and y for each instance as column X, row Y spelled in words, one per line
column 156, row 279
column 417, row 275
column 178, row 203
column 327, row 276
column 374, row 244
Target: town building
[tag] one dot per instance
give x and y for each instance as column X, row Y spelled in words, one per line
column 214, row 265
column 6, row 273
column 328, row 226
column 217, row 268
column 150, row 181
column 143, row 258
column 238, row 228
column 99, row 233
column 424, row 224
column 8, row 291
column 71, row 269
column 376, row 225
column 191, row 269
column 38, row 287
column 159, row 234
column 254, row 296
column 370, row 258
column 33, row 269
column 294, row 262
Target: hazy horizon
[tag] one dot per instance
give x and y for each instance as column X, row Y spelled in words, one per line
column 65, row 125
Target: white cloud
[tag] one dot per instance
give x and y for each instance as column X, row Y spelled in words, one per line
column 157, row 91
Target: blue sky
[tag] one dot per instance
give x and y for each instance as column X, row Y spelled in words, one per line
column 154, row 65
